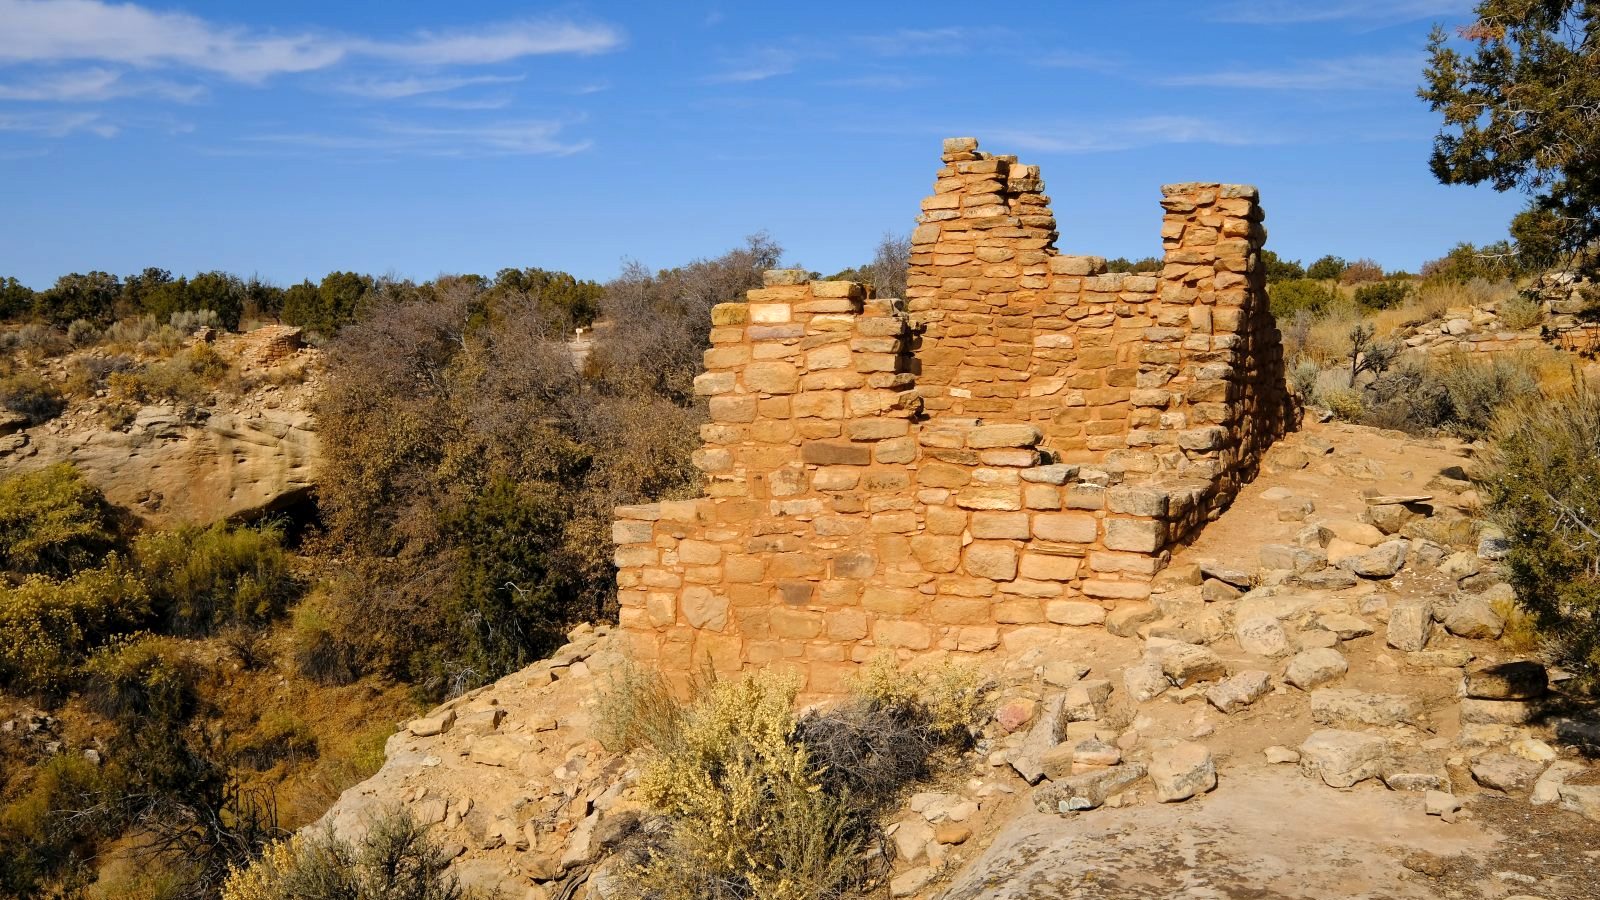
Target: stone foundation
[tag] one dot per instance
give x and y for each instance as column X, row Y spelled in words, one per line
column 1010, row 451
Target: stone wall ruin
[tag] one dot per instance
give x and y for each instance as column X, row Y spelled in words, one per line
column 1012, row 449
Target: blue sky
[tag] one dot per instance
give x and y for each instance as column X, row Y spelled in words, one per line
column 291, row 138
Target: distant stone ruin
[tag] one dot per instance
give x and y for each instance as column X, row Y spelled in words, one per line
column 1009, row 451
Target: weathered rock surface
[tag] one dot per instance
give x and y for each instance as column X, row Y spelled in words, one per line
column 1312, row 668
column 1238, row 691
column 1411, row 625
column 1087, row 790
column 1343, row 758
column 1471, row 616
column 1182, row 771
column 1249, row 838
column 170, row 468
column 1337, row 706
column 1262, row 636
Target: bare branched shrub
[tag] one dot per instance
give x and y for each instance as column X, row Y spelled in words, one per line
column 658, row 321
column 1362, row 271
column 891, row 266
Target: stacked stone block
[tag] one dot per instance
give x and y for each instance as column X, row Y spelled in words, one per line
column 1011, row 451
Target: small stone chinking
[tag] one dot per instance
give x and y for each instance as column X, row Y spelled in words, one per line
column 1009, row 450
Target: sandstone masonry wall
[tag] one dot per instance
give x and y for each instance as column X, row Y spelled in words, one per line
column 1009, row 451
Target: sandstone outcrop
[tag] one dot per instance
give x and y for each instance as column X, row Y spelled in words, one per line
column 239, row 458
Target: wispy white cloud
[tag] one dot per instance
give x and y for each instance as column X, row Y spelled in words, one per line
column 494, row 44
column 946, row 41
column 57, row 124
column 1127, row 134
column 1349, row 73
column 1072, row 59
column 886, row 81
column 92, row 86
column 379, row 88
column 787, row 57
column 394, row 138
column 1290, row 12
column 40, row 31
column 758, row 65
column 496, row 101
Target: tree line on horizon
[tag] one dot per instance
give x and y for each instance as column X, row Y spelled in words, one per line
column 322, row 307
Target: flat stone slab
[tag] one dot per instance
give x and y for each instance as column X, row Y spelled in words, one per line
column 1271, row 835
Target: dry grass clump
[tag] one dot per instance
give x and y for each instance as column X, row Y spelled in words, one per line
column 27, row 393
column 190, row 377
column 395, row 860
column 757, row 804
column 639, row 710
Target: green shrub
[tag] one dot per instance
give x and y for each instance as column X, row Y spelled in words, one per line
column 29, row 394
column 510, row 599
column 1280, row 269
column 1479, row 389
column 53, row 522
column 142, row 679
column 395, row 860
column 47, row 628
column 202, row 579
column 88, row 374
column 316, row 645
column 1383, row 294
column 748, row 814
column 82, row 333
column 1521, row 312
column 1541, row 483
column 1326, row 269
column 48, row 831
column 1291, row 296
column 1144, row 264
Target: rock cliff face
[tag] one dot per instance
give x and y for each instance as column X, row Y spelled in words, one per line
column 172, row 467
column 239, row 457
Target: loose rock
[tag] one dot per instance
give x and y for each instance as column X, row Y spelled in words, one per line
column 1312, row 668
column 1182, row 771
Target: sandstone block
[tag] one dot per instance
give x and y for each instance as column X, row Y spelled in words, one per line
column 1076, row 528
column 996, row 525
column 1182, row 771
column 991, row 559
column 830, row 453
column 990, row 436
column 1343, row 758
column 1074, row 612
column 1135, row 535
column 1311, row 668
column 1410, row 625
